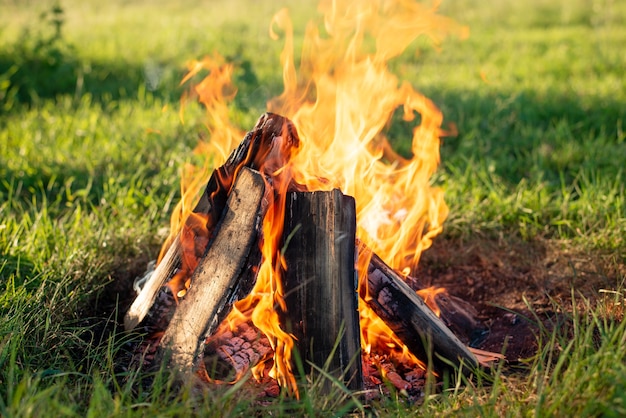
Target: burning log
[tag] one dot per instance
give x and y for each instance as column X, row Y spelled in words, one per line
column 215, row 282
column 272, row 137
column 457, row 314
column 412, row 321
column 320, row 282
column 461, row 318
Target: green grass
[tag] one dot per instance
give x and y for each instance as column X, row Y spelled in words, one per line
column 91, row 149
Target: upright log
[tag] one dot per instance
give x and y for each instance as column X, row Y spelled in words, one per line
column 272, row 137
column 215, row 281
column 320, row 282
column 412, row 321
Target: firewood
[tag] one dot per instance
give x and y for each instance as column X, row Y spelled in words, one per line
column 215, row 281
column 273, row 135
column 458, row 315
column 320, row 282
column 141, row 305
column 461, row 317
column 228, row 355
column 415, row 324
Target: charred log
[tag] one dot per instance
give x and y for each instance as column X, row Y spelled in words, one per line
column 320, row 282
column 461, row 318
column 234, row 352
column 458, row 315
column 412, row 321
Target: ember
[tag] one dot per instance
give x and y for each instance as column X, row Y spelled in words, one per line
column 218, row 260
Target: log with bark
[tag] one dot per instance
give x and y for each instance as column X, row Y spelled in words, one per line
column 268, row 145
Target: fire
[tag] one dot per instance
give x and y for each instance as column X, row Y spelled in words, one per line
column 429, row 295
column 194, row 239
column 267, row 294
column 341, row 98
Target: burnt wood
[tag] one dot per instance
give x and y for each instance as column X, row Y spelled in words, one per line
column 215, row 282
column 415, row 324
column 320, row 283
column 229, row 354
column 462, row 319
column 267, row 146
column 458, row 315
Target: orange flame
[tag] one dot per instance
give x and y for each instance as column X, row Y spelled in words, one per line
column 266, row 298
column 214, row 92
column 341, row 98
column 398, row 211
column 429, row 294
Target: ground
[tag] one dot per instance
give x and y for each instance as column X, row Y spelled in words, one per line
column 513, row 284
column 517, row 288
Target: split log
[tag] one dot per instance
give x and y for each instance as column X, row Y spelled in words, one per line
column 415, row 324
column 320, row 282
column 458, row 315
column 215, row 281
column 146, row 297
column 267, row 146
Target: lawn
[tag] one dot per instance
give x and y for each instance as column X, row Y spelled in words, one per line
column 92, row 149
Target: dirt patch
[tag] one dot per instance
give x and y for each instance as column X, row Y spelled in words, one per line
column 514, row 284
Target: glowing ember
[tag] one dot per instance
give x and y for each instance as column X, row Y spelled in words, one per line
column 341, row 99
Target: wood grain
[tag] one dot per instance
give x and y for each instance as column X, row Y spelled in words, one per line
column 215, row 282
column 321, row 284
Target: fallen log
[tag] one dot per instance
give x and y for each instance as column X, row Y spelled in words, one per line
column 415, row 324
column 215, row 281
column 266, row 146
column 320, row 283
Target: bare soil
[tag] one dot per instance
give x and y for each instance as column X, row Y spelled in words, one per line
column 515, row 284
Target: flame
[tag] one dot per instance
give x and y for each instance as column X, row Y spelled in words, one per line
column 429, row 294
column 266, row 298
column 398, row 211
column 341, row 98
column 214, row 92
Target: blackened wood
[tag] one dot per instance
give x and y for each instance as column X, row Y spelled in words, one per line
column 320, row 282
column 267, row 146
column 415, row 324
column 229, row 354
column 458, row 315
column 462, row 319
column 215, row 282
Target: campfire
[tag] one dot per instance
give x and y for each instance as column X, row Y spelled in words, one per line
column 301, row 244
